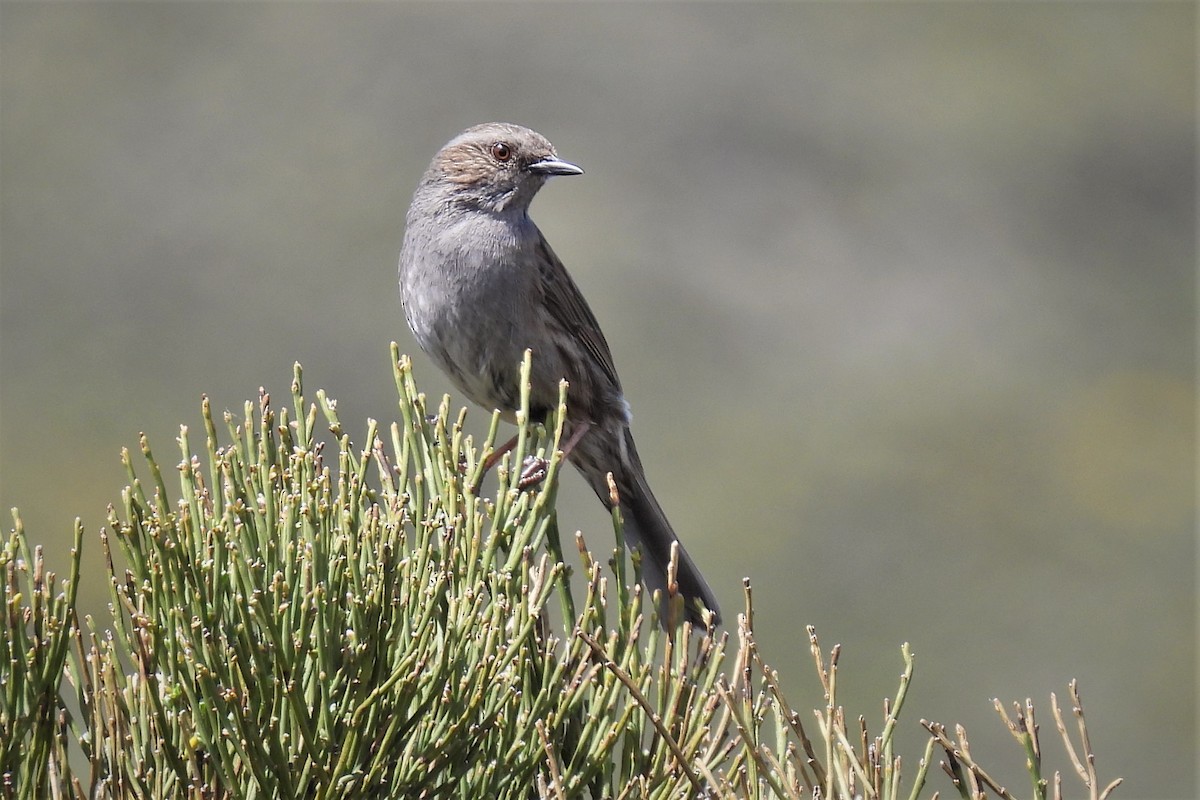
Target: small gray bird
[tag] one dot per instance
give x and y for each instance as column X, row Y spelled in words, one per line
column 480, row 285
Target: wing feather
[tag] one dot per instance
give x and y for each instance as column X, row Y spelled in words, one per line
column 562, row 298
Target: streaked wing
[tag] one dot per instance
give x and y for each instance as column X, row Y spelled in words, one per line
column 566, row 305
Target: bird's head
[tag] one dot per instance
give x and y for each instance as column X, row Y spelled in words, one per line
column 495, row 167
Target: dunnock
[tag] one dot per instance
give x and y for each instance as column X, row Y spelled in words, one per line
column 480, row 285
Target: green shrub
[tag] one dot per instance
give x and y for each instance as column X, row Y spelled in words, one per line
column 304, row 620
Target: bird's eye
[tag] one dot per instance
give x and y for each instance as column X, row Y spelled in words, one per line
column 501, row 152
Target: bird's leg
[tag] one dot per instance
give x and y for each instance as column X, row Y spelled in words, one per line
column 580, row 429
column 533, row 471
column 492, row 460
column 498, row 454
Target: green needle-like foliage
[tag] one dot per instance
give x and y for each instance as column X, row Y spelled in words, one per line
column 296, row 617
column 38, row 621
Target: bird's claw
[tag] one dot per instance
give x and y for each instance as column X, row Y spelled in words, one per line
column 533, row 472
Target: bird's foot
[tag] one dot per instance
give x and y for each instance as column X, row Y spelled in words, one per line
column 533, row 472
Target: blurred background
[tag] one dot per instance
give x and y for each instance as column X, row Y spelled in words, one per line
column 903, row 297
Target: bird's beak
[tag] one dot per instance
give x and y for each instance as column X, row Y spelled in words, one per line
column 552, row 166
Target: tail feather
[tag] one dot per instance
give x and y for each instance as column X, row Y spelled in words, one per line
column 600, row 452
column 647, row 528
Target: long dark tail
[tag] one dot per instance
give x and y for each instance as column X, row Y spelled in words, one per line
column 646, row 526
